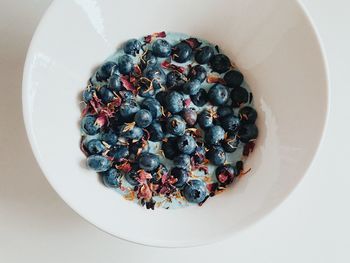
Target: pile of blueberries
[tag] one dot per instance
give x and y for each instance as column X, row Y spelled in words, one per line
column 130, row 103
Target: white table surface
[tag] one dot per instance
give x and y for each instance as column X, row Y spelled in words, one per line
column 37, row 226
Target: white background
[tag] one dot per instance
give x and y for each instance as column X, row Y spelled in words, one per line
column 312, row 225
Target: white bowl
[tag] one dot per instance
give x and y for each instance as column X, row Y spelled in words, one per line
column 271, row 41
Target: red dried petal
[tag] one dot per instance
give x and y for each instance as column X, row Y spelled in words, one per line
column 143, row 176
column 159, row 34
column 248, row 148
column 167, row 65
column 101, row 120
column 85, row 111
column 127, row 84
column 144, row 192
column 137, row 70
column 124, row 167
column 193, row 42
column 148, row 38
column 215, row 79
column 223, row 177
column 187, row 102
column 164, row 178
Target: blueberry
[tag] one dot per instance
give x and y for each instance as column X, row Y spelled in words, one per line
column 95, row 146
column 148, row 59
column 106, row 70
column 105, row 95
column 126, row 95
column 126, row 64
column 98, row 163
column 175, row 79
column 181, row 175
column 128, row 109
column 174, row 102
column 156, row 132
column 161, row 48
column 186, row 144
column 198, row 72
column 192, row 87
column 214, row 135
column 88, row 94
column 233, row 78
column 134, row 133
column 114, row 83
column 89, row 125
column 143, row 118
column 119, row 152
column 152, row 106
column 218, row 95
column 148, row 162
column 190, row 116
column 225, row 174
column 132, row 47
column 216, row 155
column 169, row 148
column 109, row 137
column 224, row 111
column 220, row 63
column 156, row 75
column 205, row 119
column 161, row 97
column 204, row 55
column 111, row 177
column 182, row 52
column 183, row 161
column 239, row 96
column 199, row 154
column 230, row 144
column 248, row 115
column 248, row 132
column 230, row 123
column 176, row 125
column 131, row 177
column 200, row 99
column 195, row 191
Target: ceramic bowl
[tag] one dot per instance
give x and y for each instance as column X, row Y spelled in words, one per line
column 272, row 42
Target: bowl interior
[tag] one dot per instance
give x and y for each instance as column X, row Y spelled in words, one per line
column 271, row 41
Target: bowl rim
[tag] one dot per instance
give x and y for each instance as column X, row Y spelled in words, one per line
column 172, row 244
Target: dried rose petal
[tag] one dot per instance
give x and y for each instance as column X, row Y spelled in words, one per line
column 128, row 85
column 124, row 167
column 149, row 38
column 193, row 42
column 187, row 102
column 137, row 70
column 223, row 177
column 143, row 176
column 215, row 79
column 159, row 34
column 167, row 65
column 85, row 111
column 101, row 120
